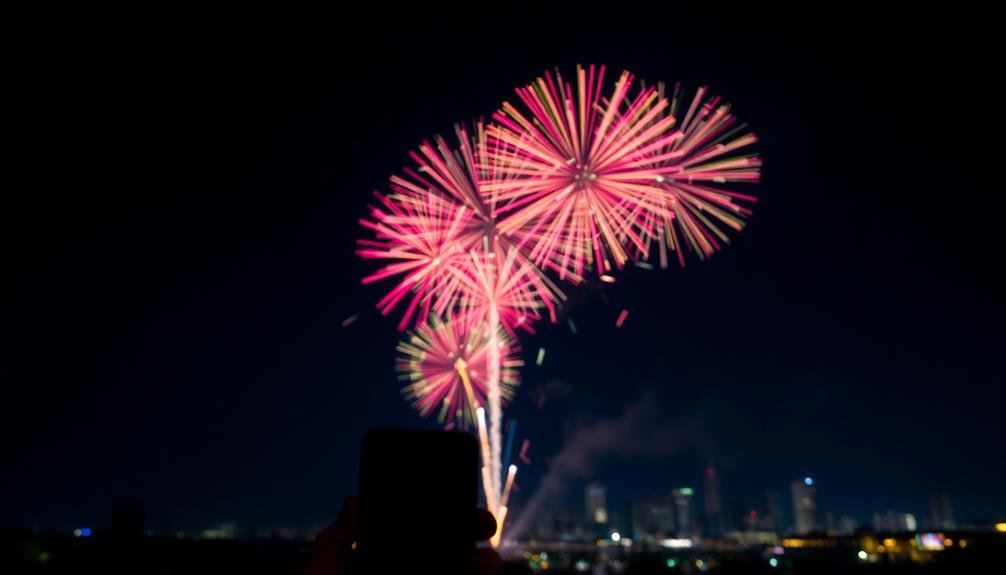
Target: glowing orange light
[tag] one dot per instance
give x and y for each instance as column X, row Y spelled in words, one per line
column 500, row 518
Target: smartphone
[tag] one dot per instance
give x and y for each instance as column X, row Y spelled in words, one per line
column 416, row 501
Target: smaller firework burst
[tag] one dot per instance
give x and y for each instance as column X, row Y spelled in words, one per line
column 446, row 364
column 422, row 233
column 505, row 289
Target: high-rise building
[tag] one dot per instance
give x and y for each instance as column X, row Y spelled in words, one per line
column 653, row 519
column 733, row 518
column 714, row 505
column 894, row 522
column 569, row 525
column 684, row 512
column 772, row 520
column 804, row 496
column 941, row 514
column 595, row 503
column 847, row 525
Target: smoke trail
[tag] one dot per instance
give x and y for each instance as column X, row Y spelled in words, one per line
column 495, row 409
column 640, row 430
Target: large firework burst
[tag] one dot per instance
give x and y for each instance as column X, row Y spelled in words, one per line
column 580, row 169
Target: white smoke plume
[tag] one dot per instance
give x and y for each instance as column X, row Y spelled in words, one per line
column 641, row 430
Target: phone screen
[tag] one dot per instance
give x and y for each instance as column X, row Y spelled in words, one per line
column 416, row 501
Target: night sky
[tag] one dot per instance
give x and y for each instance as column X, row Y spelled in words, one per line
column 182, row 258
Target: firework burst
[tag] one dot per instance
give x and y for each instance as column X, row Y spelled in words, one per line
column 423, row 234
column 506, row 286
column 577, row 172
column 695, row 170
column 447, row 365
column 439, row 230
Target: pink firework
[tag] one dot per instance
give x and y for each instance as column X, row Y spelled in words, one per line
column 580, row 170
column 506, row 289
column 423, row 234
column 457, row 172
column 696, row 169
column 431, row 225
column 447, row 365
column 465, row 174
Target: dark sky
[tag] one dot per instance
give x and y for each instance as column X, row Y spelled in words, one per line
column 182, row 257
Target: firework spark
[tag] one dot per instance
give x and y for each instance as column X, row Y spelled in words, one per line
column 621, row 318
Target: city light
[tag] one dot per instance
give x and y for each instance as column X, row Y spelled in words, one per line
column 676, row 543
column 671, row 563
column 929, row 541
column 862, row 555
column 616, row 536
column 687, row 491
column 773, row 562
column 1001, row 527
column 82, row 532
column 808, row 480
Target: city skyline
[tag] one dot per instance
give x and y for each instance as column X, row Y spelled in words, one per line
column 672, row 514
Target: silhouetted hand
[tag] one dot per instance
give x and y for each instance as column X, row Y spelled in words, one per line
column 332, row 550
